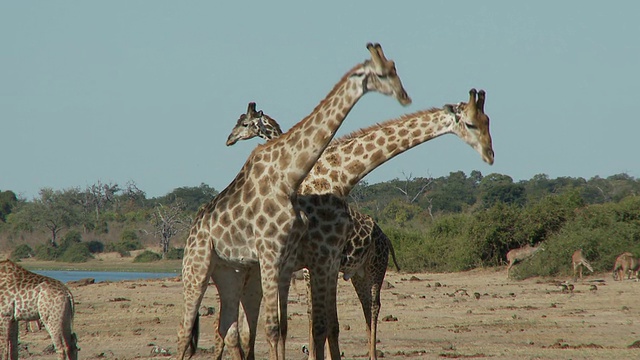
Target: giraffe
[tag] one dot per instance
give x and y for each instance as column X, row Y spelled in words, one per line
column 348, row 159
column 578, row 260
column 25, row 295
column 245, row 239
column 376, row 245
column 514, row 256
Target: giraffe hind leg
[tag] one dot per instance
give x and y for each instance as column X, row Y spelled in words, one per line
column 9, row 330
column 363, row 289
column 195, row 279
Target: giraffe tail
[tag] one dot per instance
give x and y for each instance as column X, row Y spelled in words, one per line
column 586, row 263
column 391, row 249
column 193, row 337
column 393, row 255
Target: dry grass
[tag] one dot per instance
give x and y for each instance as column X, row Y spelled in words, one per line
column 532, row 319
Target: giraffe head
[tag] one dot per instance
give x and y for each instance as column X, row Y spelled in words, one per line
column 473, row 124
column 254, row 123
column 379, row 74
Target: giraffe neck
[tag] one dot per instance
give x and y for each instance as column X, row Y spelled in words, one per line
column 299, row 148
column 348, row 159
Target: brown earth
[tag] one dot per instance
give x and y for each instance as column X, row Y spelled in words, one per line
column 424, row 316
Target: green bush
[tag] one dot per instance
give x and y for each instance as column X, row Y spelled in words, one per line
column 95, row 246
column 119, row 248
column 22, row 251
column 129, row 240
column 147, row 256
column 47, row 252
column 174, row 254
column 76, row 253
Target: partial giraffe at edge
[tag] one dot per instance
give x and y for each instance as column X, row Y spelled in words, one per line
column 28, row 296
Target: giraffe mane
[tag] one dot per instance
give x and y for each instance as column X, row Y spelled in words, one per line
column 324, row 100
column 374, row 127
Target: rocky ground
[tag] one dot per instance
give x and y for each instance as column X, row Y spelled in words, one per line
column 477, row 314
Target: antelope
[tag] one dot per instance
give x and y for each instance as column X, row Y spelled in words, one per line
column 515, row 256
column 579, row 261
column 625, row 263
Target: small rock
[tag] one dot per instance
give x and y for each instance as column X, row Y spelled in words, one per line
column 389, row 318
column 386, row 285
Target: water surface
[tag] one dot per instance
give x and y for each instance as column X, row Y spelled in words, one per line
column 72, row 275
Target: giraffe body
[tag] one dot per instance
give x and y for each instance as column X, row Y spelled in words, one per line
column 249, row 234
column 348, row 159
column 27, row 296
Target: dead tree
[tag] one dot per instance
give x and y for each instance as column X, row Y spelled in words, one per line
column 167, row 222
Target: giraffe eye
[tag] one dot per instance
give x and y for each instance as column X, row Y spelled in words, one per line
column 470, row 126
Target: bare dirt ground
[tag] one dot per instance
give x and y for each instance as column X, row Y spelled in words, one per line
column 424, row 316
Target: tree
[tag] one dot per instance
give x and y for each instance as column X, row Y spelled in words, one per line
column 167, row 222
column 8, row 200
column 99, row 195
column 53, row 210
column 412, row 188
column 496, row 188
column 191, row 197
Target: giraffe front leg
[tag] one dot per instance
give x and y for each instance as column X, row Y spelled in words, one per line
column 269, row 275
column 318, row 314
column 333, row 328
column 284, row 286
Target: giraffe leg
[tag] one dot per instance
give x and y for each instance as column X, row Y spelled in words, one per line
column 333, row 328
column 283, row 300
column 364, row 290
column 58, row 321
column 231, row 341
column 307, row 283
column 318, row 312
column 230, row 283
column 9, row 332
column 195, row 278
column 269, row 276
column 250, row 312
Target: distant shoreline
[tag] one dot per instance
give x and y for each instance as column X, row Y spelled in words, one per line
column 105, row 262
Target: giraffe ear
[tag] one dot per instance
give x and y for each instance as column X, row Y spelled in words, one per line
column 449, row 108
column 259, row 113
column 453, row 110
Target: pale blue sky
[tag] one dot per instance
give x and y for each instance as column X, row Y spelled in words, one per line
column 148, row 90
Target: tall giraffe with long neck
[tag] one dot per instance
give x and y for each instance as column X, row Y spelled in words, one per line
column 348, row 159
column 367, row 243
column 255, row 224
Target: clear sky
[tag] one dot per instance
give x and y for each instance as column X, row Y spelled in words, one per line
column 147, row 91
